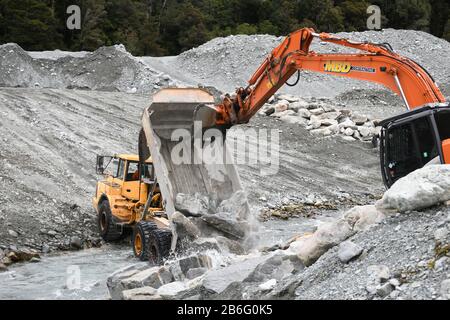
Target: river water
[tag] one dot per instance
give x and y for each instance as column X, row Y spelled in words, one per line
column 83, row 274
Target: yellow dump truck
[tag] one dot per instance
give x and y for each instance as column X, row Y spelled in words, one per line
column 128, row 200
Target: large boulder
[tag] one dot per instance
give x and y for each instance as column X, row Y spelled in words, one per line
column 114, row 284
column 226, row 283
column 227, row 225
column 362, row 217
column 180, row 268
column 184, row 227
column 310, row 248
column 420, row 189
column 194, row 204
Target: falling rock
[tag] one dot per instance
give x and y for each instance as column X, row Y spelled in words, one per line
column 420, row 189
column 184, row 227
column 144, row 293
column 237, row 205
column 327, row 235
column 229, row 226
column 348, row 251
column 362, row 217
column 192, row 205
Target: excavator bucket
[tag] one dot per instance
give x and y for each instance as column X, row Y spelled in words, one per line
column 186, row 113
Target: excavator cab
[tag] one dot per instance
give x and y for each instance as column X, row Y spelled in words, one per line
column 413, row 140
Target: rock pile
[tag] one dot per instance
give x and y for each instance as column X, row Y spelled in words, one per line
column 12, row 254
column 322, row 117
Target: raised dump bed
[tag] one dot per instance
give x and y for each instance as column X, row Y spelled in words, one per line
column 190, row 111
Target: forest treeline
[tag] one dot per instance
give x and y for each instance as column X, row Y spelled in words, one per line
column 168, row 27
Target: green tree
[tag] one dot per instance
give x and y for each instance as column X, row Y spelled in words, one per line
column 29, row 23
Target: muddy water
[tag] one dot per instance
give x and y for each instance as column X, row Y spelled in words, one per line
column 55, row 277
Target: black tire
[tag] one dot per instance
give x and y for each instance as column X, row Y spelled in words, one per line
column 108, row 229
column 160, row 242
column 141, row 239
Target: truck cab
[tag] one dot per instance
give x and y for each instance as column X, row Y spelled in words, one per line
column 127, row 198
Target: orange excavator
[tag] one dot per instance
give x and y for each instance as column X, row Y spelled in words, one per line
column 407, row 142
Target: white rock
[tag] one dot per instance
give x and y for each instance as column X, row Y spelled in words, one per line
column 378, row 273
column 305, row 113
column 365, row 131
column 317, row 111
column 420, row 189
column 359, row 119
column 329, row 122
column 348, row 251
column 309, row 249
column 362, row 217
column 281, row 106
column 349, row 132
column 322, row 132
column 348, row 124
column 171, row 290
column 268, row 285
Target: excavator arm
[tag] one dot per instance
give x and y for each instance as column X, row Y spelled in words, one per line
column 376, row 63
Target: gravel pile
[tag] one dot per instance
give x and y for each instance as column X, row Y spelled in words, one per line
column 106, row 69
column 229, row 62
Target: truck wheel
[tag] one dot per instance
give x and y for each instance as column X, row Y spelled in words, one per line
column 109, row 231
column 159, row 245
column 140, row 240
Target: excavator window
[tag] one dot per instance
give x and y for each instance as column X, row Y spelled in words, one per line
column 410, row 146
column 442, row 121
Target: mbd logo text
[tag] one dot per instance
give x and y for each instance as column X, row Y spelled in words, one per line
column 338, row 67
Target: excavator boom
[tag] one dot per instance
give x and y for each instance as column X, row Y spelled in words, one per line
column 376, row 63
